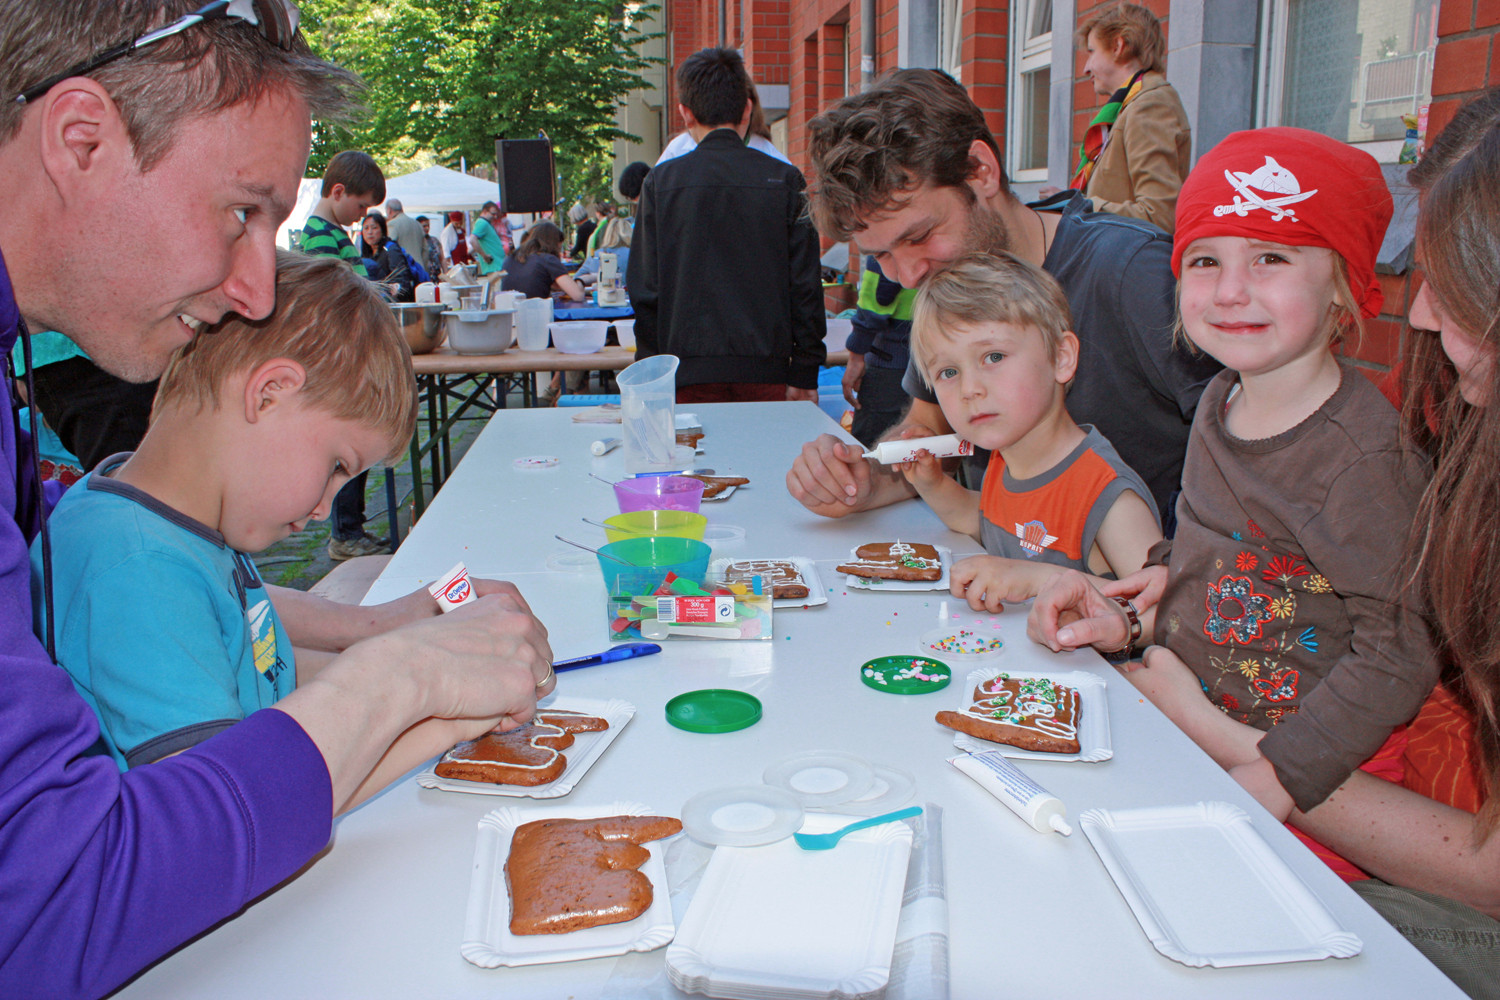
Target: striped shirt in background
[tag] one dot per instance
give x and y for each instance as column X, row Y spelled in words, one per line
column 320, row 236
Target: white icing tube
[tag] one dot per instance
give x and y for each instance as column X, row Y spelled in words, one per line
column 604, row 447
column 942, row 446
column 1022, row 796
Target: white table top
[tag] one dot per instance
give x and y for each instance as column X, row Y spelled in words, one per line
column 381, row 914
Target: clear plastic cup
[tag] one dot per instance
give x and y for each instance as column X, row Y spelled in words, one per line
column 648, row 397
column 534, row 321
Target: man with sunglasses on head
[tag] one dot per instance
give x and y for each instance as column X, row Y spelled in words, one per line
column 202, row 113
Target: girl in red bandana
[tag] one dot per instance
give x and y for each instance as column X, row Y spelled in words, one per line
column 1283, row 596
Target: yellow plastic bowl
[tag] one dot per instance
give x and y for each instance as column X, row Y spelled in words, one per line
column 655, row 523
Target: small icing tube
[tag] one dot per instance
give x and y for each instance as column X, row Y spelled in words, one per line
column 1022, row 796
column 454, row 589
column 942, row 446
column 605, row 446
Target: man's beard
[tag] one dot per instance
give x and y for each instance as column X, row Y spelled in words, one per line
column 987, row 231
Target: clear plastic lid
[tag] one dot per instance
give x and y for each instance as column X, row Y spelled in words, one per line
column 744, row 816
column 821, row 778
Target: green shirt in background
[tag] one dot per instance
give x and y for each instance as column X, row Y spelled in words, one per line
column 321, row 236
column 489, row 241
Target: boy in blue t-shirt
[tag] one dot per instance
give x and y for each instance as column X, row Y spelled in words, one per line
column 160, row 616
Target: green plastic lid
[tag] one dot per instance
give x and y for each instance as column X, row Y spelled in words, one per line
column 714, row 710
column 905, row 674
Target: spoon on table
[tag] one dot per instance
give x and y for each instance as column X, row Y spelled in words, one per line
column 824, row 841
column 580, row 545
column 655, row 628
column 613, row 527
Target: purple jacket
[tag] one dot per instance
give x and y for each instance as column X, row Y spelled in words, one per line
column 102, row 873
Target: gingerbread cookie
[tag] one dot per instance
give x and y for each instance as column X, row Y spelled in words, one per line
column 714, row 485
column 783, row 576
column 567, row 874
column 530, row 755
column 895, row 561
column 1032, row 713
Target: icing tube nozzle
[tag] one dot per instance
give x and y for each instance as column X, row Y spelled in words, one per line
column 1042, row 811
column 904, row 450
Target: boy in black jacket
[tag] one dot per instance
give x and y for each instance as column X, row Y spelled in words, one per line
column 723, row 267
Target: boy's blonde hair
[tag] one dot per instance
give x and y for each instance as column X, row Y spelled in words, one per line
column 988, row 288
column 331, row 322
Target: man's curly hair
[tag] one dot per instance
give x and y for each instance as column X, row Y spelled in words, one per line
column 913, row 126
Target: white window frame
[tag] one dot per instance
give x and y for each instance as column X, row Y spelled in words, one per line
column 950, row 37
column 1275, row 15
column 1027, row 55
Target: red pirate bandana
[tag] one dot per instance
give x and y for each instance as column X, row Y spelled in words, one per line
column 1291, row 186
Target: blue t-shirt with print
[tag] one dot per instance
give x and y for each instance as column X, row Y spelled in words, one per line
column 167, row 632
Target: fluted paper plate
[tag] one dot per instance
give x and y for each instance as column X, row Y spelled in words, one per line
column 488, row 941
column 1164, row 858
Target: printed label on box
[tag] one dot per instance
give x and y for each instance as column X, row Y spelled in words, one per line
column 706, row 608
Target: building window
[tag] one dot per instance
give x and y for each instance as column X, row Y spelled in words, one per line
column 1030, row 85
column 950, row 41
column 1349, row 68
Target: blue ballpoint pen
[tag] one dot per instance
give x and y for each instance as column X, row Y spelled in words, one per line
column 622, row 652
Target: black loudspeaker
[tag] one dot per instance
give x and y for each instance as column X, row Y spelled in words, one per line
column 526, row 175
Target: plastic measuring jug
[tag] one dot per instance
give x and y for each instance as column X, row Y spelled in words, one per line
column 648, row 396
column 534, row 321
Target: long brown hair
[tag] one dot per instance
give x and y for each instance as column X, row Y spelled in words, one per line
column 1458, row 523
column 544, row 237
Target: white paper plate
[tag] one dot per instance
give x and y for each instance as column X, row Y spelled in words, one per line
column 586, row 748
column 817, row 594
column 1093, row 709
column 778, row 921
column 873, row 583
column 488, row 941
column 1162, row 858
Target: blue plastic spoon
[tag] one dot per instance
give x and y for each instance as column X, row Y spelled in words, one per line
column 824, row 841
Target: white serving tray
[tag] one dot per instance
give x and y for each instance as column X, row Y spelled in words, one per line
column 488, row 941
column 817, row 594
column 780, row 922
column 586, row 748
column 1165, row 861
column 1093, row 709
column 945, row 554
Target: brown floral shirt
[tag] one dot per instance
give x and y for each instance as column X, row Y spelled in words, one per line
column 1286, row 587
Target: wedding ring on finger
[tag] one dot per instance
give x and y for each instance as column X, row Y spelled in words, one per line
column 548, row 679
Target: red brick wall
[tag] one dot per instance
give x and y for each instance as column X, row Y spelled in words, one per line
column 1467, row 63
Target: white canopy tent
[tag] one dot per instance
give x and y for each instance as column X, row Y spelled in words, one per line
column 433, row 190
column 438, row 189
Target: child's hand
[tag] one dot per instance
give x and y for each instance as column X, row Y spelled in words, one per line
column 1143, row 588
column 1070, row 612
column 987, row 582
column 923, row 471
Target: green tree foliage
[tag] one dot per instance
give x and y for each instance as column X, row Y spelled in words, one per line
column 452, row 76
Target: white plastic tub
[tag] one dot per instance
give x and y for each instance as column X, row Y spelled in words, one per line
column 584, row 336
column 481, row 331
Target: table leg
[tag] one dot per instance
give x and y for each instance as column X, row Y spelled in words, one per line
column 390, row 508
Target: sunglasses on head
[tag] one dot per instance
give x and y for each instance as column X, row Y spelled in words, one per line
column 276, row 19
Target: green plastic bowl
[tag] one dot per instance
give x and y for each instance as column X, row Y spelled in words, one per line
column 649, row 561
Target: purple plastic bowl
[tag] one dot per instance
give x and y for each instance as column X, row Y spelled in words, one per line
column 659, row 493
